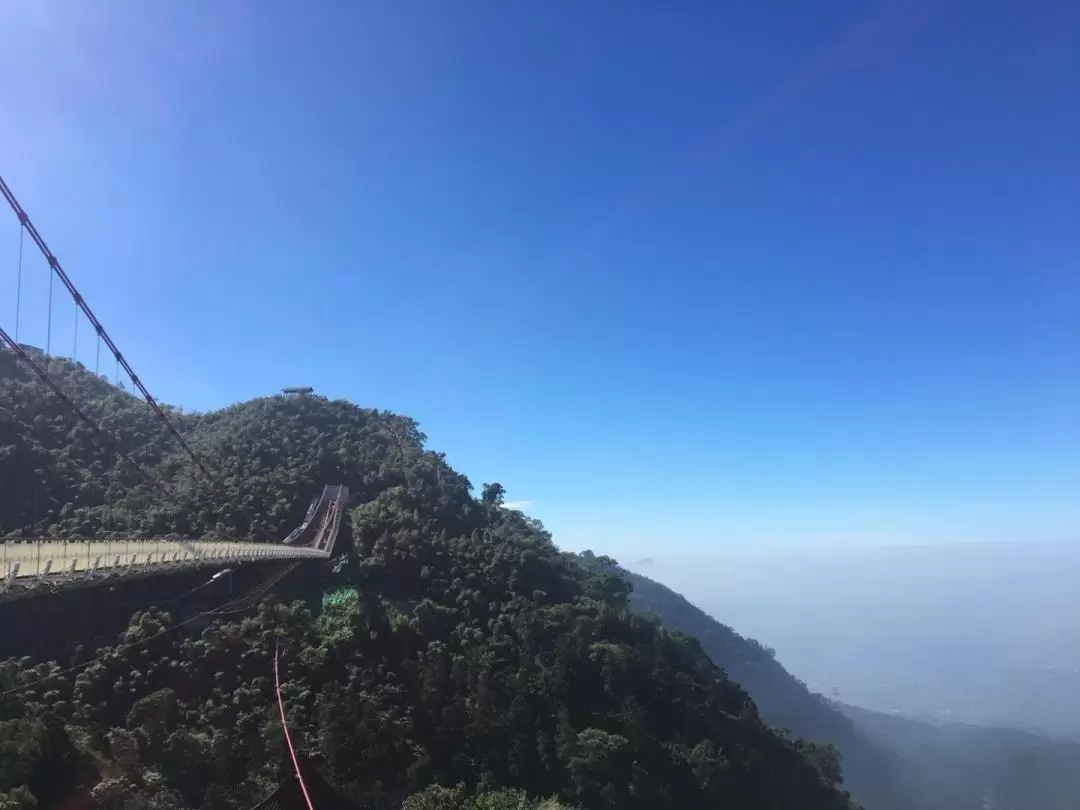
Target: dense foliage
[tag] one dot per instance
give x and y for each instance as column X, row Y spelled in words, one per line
column 267, row 458
column 437, row 797
column 474, row 653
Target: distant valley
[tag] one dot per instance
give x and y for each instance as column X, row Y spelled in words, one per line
column 987, row 634
column 891, row 762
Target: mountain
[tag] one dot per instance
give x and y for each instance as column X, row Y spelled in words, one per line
column 871, row 769
column 887, row 761
column 457, row 646
column 958, row 766
column 266, row 458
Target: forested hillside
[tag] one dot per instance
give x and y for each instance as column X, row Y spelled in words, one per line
column 887, row 761
column 870, row 768
column 461, row 646
column 266, row 457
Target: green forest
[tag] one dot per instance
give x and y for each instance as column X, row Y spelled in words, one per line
column 460, row 659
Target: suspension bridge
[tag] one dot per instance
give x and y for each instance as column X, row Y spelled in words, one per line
column 31, row 566
column 40, row 565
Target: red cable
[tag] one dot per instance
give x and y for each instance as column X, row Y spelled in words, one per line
column 285, row 728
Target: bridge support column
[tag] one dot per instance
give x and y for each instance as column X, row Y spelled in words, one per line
column 9, row 580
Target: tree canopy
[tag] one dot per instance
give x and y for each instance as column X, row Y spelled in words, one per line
column 475, row 660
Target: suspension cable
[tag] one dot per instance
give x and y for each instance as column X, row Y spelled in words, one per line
column 43, row 375
column 244, row 603
column 285, row 727
column 58, row 271
column 48, row 323
column 18, row 283
column 121, row 648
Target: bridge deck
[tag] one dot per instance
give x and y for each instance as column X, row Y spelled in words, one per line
column 58, row 562
column 55, row 557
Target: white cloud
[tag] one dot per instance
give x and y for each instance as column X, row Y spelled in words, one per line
column 518, row 505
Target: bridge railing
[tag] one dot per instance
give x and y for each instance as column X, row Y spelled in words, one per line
column 23, row 562
column 303, row 534
column 334, row 524
column 296, row 533
column 29, row 562
column 323, row 521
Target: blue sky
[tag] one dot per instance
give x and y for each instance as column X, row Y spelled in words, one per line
column 684, row 276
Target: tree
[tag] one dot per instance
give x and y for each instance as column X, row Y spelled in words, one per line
column 472, row 652
column 493, row 494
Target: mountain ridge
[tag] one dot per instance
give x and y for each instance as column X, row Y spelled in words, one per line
column 887, row 761
column 461, row 646
column 871, row 771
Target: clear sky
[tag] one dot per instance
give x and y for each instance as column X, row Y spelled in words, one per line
column 682, row 275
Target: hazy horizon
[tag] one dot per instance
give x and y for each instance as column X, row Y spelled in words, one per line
column 986, row 633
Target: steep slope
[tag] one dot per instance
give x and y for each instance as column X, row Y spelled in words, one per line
column 871, row 770
column 460, row 645
column 887, row 761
